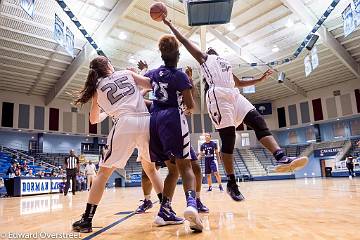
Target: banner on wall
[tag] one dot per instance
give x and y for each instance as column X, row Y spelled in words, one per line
column 59, row 30
column 28, row 6
column 326, row 152
column 135, row 177
column 264, row 108
column 349, row 23
column 69, row 42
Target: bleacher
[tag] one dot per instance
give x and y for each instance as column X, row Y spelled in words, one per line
column 5, row 163
column 56, row 159
column 132, row 166
column 355, row 149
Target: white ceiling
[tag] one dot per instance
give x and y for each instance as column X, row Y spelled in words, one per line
column 32, row 62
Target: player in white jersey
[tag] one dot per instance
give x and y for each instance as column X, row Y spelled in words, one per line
column 228, row 109
column 118, row 95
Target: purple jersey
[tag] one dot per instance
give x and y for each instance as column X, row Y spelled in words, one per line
column 167, row 84
column 209, row 150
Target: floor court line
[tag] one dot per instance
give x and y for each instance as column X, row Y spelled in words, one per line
column 104, row 229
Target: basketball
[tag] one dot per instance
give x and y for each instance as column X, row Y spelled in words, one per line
column 158, row 11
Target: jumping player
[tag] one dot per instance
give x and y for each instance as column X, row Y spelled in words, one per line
column 117, row 94
column 228, row 109
column 208, row 150
column 169, row 133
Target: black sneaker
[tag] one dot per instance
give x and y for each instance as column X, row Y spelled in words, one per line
column 83, row 225
column 233, row 190
column 209, row 189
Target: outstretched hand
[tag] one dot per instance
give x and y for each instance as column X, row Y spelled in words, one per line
column 142, row 65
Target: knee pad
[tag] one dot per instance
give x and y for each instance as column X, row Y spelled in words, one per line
column 228, row 138
column 257, row 122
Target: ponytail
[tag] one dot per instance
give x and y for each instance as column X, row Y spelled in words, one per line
column 89, row 89
column 98, row 69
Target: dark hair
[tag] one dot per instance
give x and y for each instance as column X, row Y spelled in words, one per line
column 169, row 48
column 212, row 51
column 98, row 69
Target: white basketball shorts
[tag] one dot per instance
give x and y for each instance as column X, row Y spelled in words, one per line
column 227, row 107
column 128, row 133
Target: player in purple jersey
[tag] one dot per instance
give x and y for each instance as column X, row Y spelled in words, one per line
column 228, row 109
column 169, row 133
column 208, row 150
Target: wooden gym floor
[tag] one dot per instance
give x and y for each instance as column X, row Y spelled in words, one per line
column 293, row 209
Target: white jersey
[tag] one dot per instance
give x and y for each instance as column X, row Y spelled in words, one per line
column 118, row 95
column 218, row 72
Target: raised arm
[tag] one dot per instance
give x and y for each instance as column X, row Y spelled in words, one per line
column 191, row 47
column 242, row 83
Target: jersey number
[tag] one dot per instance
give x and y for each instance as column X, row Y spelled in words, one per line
column 160, row 91
column 114, row 87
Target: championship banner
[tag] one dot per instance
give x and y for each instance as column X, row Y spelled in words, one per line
column 28, row 6
column 349, row 24
column 308, row 66
column 59, row 30
column 69, row 43
column 314, row 58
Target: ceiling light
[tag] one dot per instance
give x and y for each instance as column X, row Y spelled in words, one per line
column 231, row 27
column 132, row 60
column 122, row 36
column 290, row 23
column 99, row 3
column 275, row 49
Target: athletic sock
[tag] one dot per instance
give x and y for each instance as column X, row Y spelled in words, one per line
column 147, row 197
column 90, row 211
column 231, row 178
column 278, row 154
column 160, row 196
column 190, row 194
column 198, row 195
column 165, row 201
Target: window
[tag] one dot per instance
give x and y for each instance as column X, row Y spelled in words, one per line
column 339, row 130
column 292, row 137
column 355, row 127
column 310, row 135
column 245, row 139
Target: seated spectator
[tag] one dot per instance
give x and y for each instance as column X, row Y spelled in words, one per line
column 30, row 173
column 17, row 173
column 11, row 170
column 40, row 174
column 25, row 170
column 24, row 166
